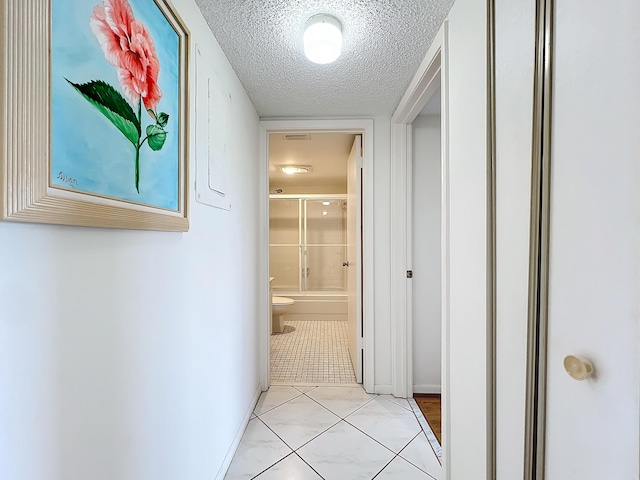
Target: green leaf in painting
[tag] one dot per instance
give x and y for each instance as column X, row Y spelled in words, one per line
column 152, row 113
column 162, row 119
column 112, row 105
column 156, row 136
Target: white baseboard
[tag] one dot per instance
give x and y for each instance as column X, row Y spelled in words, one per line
column 425, row 388
column 222, row 471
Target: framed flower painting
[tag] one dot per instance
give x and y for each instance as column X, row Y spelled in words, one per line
column 95, row 113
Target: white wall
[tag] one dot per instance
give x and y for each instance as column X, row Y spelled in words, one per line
column 426, row 264
column 134, row 355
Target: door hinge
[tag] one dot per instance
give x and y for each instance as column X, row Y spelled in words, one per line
column 361, row 343
column 409, row 273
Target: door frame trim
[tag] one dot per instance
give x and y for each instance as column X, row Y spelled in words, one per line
column 413, row 101
column 539, row 243
column 429, row 78
column 431, row 75
column 360, row 126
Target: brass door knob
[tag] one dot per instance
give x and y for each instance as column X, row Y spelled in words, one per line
column 578, row 368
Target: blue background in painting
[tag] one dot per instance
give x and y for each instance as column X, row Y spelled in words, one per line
column 86, row 146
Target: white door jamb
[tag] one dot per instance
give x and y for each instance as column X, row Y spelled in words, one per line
column 427, row 80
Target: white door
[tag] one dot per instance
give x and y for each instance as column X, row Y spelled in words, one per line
column 592, row 427
column 354, row 255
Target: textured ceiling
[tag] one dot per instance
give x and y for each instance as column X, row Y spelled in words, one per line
column 384, row 42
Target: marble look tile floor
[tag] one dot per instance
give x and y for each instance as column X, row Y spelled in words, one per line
column 333, row 433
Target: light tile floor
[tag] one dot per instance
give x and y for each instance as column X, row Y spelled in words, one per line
column 311, row 352
column 333, row 433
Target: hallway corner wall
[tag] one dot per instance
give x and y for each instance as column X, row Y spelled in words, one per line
column 134, row 355
column 427, row 252
column 382, row 256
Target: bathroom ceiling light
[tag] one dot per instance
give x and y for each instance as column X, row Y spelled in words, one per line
column 326, row 203
column 294, row 169
column 322, row 38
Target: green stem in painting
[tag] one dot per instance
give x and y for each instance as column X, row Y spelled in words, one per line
column 138, row 168
column 138, row 145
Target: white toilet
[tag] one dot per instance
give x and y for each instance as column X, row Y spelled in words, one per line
column 279, row 306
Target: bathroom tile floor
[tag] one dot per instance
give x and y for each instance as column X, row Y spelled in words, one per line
column 333, row 433
column 311, row 352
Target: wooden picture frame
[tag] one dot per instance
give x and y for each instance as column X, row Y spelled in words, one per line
column 31, row 190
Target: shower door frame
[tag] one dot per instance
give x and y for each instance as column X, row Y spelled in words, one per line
column 302, row 230
column 359, row 126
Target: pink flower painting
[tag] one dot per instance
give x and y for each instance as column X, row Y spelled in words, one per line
column 128, row 46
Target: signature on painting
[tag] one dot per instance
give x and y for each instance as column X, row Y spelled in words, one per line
column 72, row 182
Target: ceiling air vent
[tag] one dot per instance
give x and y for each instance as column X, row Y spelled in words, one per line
column 297, row 136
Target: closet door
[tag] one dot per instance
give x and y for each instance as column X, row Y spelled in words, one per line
column 592, row 426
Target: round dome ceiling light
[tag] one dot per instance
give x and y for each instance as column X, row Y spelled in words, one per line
column 322, row 38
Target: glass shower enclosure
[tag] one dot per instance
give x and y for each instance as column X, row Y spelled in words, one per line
column 308, row 243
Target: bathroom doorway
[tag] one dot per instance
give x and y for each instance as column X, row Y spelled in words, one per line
column 315, row 257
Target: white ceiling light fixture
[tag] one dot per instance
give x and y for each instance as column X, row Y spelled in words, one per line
column 295, row 169
column 322, row 38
